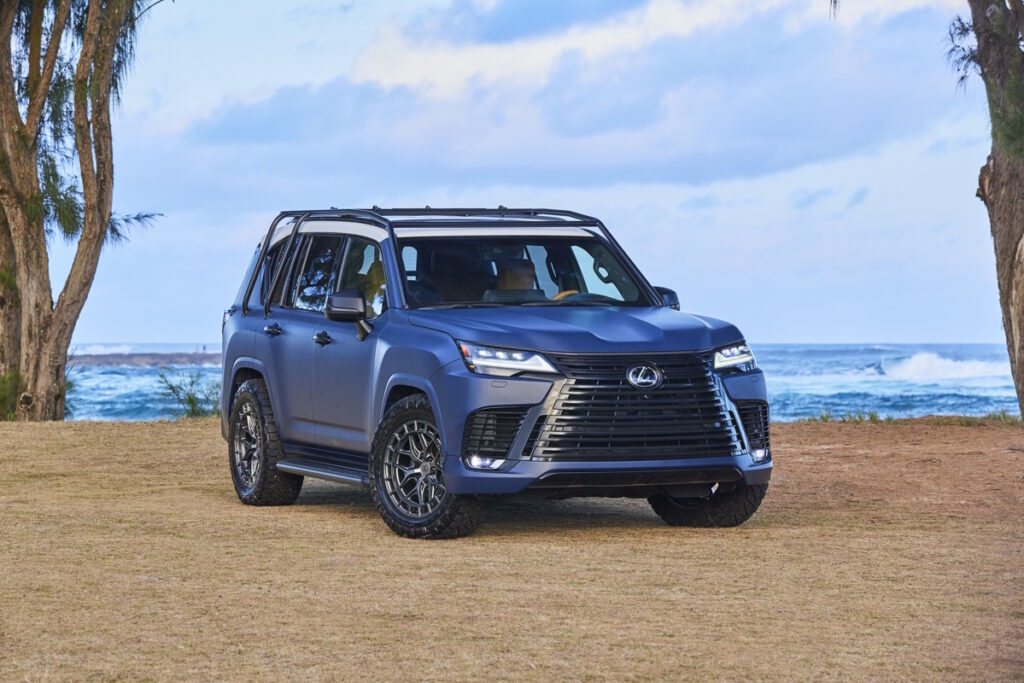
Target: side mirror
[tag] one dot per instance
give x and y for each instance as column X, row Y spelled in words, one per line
column 668, row 297
column 346, row 307
column 349, row 307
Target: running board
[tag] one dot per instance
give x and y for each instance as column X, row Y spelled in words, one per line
column 323, row 470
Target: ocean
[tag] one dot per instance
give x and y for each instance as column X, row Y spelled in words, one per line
column 121, row 381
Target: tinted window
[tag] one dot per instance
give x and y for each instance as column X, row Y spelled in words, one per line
column 363, row 271
column 283, row 269
column 602, row 275
column 535, row 271
column 318, row 274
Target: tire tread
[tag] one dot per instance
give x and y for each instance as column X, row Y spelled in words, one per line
column 273, row 486
column 462, row 514
column 728, row 509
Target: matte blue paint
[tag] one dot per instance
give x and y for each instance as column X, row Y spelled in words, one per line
column 333, row 397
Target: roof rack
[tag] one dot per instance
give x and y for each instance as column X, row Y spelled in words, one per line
column 428, row 217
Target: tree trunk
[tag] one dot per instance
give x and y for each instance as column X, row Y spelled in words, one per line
column 1001, row 187
column 998, row 27
column 40, row 365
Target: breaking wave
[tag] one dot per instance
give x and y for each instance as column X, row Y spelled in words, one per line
column 928, row 366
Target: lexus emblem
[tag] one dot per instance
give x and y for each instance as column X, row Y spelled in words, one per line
column 644, row 377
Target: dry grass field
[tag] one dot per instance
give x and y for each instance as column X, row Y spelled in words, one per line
column 882, row 551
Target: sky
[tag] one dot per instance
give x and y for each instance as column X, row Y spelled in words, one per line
column 807, row 178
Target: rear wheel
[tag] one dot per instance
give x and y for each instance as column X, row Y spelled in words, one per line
column 727, row 508
column 254, row 448
column 407, row 479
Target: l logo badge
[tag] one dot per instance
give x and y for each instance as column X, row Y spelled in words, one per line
column 644, row 377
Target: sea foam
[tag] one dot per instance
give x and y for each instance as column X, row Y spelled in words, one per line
column 928, row 366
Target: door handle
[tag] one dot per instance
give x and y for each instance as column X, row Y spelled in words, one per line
column 273, row 330
column 322, row 338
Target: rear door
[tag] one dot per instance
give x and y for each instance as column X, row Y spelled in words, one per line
column 295, row 317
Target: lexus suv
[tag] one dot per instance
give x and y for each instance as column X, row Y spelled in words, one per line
column 447, row 357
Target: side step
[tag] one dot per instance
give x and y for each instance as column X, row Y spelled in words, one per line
column 325, row 470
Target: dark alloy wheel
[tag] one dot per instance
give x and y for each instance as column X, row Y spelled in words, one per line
column 254, row 448
column 407, row 476
column 247, row 446
column 411, row 469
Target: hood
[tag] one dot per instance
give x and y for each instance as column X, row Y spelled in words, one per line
column 597, row 329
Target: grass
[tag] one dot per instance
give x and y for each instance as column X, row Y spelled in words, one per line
column 192, row 396
column 125, row 555
column 872, row 417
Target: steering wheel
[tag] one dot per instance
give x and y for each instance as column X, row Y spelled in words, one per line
column 564, row 293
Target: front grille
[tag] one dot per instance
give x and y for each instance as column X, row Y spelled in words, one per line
column 599, row 415
column 754, row 415
column 491, row 431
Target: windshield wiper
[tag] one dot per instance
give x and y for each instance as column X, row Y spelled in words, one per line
column 470, row 304
column 567, row 303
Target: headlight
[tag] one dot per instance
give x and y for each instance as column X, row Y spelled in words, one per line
column 738, row 356
column 490, row 360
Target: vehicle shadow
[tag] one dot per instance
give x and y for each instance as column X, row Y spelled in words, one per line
column 506, row 516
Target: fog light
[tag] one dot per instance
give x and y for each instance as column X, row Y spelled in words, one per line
column 478, row 462
column 760, row 455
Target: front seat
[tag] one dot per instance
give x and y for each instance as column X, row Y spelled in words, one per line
column 374, row 285
column 516, row 282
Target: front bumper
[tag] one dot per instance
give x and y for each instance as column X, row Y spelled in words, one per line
column 460, row 392
column 639, row 474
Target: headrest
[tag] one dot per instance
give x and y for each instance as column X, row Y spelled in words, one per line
column 516, row 274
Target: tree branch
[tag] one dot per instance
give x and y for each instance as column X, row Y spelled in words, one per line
column 35, row 41
column 93, row 139
column 83, row 127
column 38, row 95
column 10, row 117
column 148, row 7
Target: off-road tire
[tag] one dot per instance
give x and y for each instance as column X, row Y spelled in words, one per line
column 271, row 487
column 729, row 508
column 455, row 516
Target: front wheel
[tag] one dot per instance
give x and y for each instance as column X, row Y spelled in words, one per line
column 726, row 508
column 407, row 479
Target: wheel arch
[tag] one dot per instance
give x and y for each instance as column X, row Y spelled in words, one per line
column 242, row 370
column 400, row 386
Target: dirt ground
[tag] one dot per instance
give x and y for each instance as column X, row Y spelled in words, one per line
column 881, row 551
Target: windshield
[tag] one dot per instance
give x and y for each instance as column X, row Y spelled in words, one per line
column 514, row 271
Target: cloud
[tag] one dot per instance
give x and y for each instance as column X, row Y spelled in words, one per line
column 474, row 21
column 805, row 199
column 692, row 110
column 445, row 66
column 858, row 197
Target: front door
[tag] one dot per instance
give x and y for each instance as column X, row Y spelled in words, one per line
column 344, row 367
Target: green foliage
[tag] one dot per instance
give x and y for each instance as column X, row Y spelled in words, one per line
column 193, row 397
column 1005, row 88
column 8, row 281
column 59, row 201
column 1000, row 418
column 962, row 54
column 9, row 384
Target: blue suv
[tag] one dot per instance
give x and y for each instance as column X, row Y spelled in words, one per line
column 445, row 357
